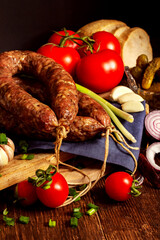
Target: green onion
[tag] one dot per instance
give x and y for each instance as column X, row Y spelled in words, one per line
column 27, row 156
column 5, row 212
column 0, row 175
column 111, row 110
column 77, row 214
column 23, row 146
column 24, row 219
column 75, row 210
column 82, row 187
column 74, row 222
column 91, row 205
column 3, row 138
column 52, row 223
column 9, row 221
column 72, row 192
column 91, row 211
column 77, row 199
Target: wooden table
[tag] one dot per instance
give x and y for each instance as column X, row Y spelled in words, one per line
column 137, row 218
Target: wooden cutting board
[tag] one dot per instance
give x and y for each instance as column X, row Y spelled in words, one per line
column 18, row 170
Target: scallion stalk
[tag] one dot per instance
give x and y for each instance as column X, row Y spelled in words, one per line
column 109, row 108
column 126, row 116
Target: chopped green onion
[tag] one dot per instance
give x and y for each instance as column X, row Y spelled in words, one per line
column 52, row 223
column 72, row 192
column 82, row 187
column 24, row 219
column 77, row 199
column 91, row 205
column 75, row 210
column 91, row 211
column 27, row 156
column 23, row 146
column 3, row 138
column 0, row 175
column 111, row 110
column 5, row 212
column 9, row 221
column 77, row 214
column 74, row 222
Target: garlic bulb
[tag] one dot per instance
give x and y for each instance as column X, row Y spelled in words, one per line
column 6, row 152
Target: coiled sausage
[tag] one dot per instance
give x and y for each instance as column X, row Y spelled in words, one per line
column 60, row 85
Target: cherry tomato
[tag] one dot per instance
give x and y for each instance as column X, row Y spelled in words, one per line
column 56, row 194
column 56, row 38
column 66, row 56
column 101, row 71
column 25, row 192
column 103, row 40
column 118, row 186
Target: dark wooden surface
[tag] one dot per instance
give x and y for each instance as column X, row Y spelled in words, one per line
column 137, row 218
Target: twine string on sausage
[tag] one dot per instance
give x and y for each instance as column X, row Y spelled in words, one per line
column 62, row 133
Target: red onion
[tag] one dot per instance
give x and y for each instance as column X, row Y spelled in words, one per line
column 151, row 152
column 152, row 124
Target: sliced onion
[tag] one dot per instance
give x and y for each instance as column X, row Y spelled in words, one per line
column 152, row 124
column 151, row 152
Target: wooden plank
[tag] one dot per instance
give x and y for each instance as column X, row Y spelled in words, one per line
column 18, row 170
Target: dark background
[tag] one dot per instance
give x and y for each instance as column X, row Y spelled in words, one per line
column 27, row 24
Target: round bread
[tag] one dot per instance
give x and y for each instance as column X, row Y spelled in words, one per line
column 107, row 25
column 119, row 31
column 134, row 42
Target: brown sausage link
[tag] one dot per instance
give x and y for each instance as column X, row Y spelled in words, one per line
column 16, row 127
column 83, row 128
column 61, row 87
column 26, row 108
column 89, row 107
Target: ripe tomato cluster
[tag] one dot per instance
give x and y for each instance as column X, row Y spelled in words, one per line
column 53, row 196
column 93, row 62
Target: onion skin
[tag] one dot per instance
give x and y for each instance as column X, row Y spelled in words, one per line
column 146, row 169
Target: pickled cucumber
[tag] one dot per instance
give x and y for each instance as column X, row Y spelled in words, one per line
column 149, row 73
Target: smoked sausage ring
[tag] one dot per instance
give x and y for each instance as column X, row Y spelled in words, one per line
column 60, row 86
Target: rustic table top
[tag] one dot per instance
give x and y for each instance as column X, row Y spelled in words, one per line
column 137, row 218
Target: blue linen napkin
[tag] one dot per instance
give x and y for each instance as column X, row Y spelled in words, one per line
column 95, row 148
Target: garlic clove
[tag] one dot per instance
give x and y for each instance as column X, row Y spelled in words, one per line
column 3, row 158
column 132, row 106
column 10, row 143
column 129, row 97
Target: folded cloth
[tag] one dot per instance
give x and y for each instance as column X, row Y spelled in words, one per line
column 95, row 148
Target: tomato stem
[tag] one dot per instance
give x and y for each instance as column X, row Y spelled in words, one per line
column 42, row 176
column 134, row 189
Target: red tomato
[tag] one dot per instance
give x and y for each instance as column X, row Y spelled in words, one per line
column 100, row 72
column 66, row 56
column 106, row 40
column 56, row 38
column 56, row 194
column 25, row 192
column 103, row 40
column 118, row 186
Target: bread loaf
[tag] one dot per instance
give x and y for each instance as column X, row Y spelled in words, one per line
column 134, row 41
column 107, row 25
